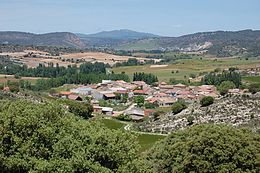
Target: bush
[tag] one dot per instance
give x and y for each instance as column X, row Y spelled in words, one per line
column 139, row 100
column 190, row 120
column 206, row 101
column 178, row 106
column 254, row 88
column 148, row 105
column 123, row 117
column 225, row 86
column 81, row 109
column 206, row 148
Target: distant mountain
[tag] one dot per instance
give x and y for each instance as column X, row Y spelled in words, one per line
column 62, row 39
column 114, row 38
column 220, row 43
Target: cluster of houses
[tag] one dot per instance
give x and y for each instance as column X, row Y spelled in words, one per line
column 162, row 95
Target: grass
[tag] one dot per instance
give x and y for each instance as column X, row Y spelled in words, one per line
column 251, row 79
column 185, row 67
column 113, row 124
column 164, row 109
column 6, row 78
column 146, row 141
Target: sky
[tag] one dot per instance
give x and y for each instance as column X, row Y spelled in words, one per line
column 162, row 17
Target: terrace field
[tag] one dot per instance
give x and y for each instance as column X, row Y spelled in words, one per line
column 184, row 67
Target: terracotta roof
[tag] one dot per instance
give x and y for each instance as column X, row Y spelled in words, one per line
column 139, row 92
column 139, row 82
column 166, row 86
column 74, row 97
column 121, row 91
column 65, row 93
column 183, row 92
column 110, row 95
column 180, row 85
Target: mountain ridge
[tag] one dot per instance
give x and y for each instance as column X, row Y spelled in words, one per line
column 62, row 39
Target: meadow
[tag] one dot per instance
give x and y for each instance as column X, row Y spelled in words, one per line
column 146, row 141
column 182, row 68
column 252, row 79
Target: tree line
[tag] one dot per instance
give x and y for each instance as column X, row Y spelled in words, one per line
column 147, row 78
column 217, row 78
column 86, row 73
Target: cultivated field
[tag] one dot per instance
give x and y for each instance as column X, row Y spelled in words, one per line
column 33, row 58
column 185, row 67
column 6, row 78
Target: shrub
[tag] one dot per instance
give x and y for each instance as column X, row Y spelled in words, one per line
column 148, row 105
column 178, row 106
column 123, row 117
column 206, row 101
column 225, row 86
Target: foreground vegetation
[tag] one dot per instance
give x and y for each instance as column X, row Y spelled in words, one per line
column 45, row 137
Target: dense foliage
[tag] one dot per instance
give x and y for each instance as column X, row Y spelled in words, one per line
column 217, row 79
column 139, row 100
column 147, row 78
column 206, row 148
column 82, row 109
column 46, row 138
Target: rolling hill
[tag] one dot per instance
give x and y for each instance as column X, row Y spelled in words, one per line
column 114, row 38
column 61, row 39
column 221, row 43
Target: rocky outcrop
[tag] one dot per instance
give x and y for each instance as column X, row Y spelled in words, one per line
column 236, row 110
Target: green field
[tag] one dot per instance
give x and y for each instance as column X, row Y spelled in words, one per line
column 146, row 141
column 113, row 124
column 185, row 67
column 251, row 79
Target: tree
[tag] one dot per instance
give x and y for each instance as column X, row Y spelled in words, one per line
column 149, row 105
column 206, row 101
column 46, row 138
column 139, row 100
column 225, row 86
column 206, row 148
column 81, row 109
column 178, row 106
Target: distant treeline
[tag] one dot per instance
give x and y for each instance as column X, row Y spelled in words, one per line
column 133, row 62
column 86, row 73
column 216, row 79
column 147, row 78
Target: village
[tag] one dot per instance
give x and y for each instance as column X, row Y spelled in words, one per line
column 107, row 96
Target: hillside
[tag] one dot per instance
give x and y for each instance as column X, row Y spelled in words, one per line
column 221, row 43
column 114, row 38
column 62, row 39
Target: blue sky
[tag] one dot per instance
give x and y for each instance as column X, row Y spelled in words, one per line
column 163, row 17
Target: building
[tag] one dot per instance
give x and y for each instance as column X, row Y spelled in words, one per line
column 82, row 90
